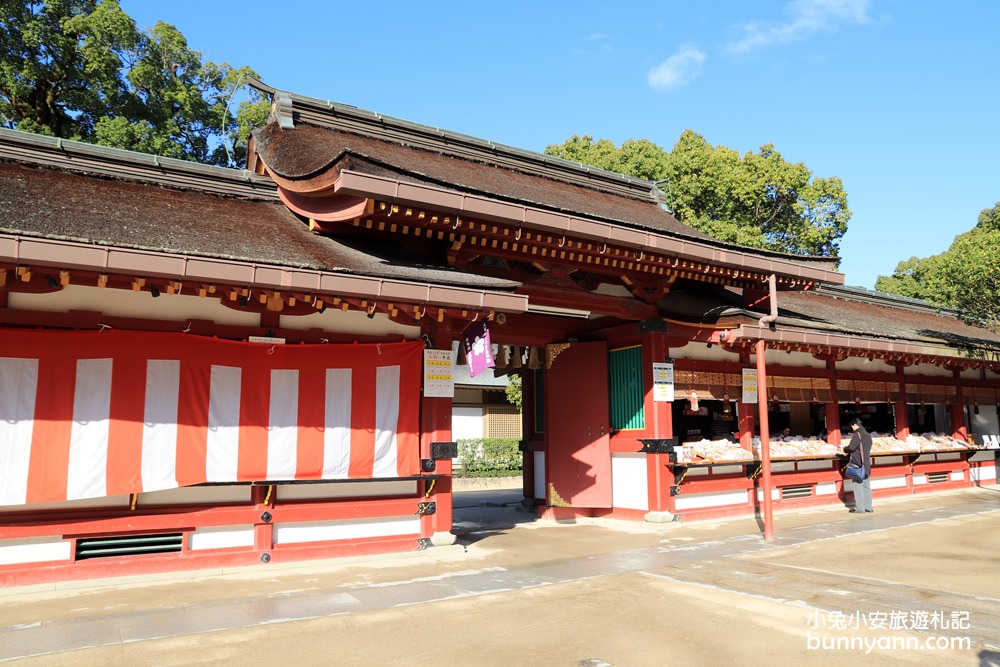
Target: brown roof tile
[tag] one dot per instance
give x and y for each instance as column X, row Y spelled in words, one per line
column 88, row 209
column 308, row 151
column 848, row 311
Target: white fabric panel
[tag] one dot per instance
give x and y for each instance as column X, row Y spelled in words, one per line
column 283, row 429
column 18, row 387
column 337, row 431
column 223, row 424
column 159, row 426
column 88, row 441
column 386, row 418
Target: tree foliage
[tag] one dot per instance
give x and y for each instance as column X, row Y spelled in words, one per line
column 758, row 199
column 966, row 276
column 82, row 70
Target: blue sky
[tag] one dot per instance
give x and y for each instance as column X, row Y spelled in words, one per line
column 898, row 98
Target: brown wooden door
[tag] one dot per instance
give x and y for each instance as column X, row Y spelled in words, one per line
column 578, row 450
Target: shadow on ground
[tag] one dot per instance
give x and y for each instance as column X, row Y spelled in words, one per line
column 476, row 515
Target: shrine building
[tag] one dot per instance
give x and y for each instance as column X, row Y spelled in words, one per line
column 205, row 367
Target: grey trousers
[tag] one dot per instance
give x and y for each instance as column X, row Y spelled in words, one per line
column 863, row 495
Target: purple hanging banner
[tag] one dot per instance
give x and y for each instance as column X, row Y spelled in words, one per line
column 478, row 350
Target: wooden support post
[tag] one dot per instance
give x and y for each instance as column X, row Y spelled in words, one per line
column 958, row 430
column 833, row 433
column 901, row 410
column 765, row 442
column 435, row 426
column 659, row 475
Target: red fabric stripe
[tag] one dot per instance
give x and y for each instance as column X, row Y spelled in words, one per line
column 312, row 394
column 49, row 462
column 128, row 404
column 362, row 420
column 255, row 398
column 407, row 430
column 192, row 422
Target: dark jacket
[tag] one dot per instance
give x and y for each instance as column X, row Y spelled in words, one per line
column 860, row 449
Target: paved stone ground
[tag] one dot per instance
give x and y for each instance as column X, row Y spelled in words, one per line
column 515, row 590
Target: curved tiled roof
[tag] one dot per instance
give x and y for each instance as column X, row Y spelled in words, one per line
column 88, row 209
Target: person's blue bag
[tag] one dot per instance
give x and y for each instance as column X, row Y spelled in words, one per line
column 855, row 472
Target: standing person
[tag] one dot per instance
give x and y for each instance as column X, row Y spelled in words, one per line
column 860, row 449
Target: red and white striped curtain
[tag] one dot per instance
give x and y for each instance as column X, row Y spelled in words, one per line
column 85, row 415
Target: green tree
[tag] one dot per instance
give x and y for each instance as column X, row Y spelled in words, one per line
column 966, row 276
column 513, row 391
column 82, row 70
column 758, row 200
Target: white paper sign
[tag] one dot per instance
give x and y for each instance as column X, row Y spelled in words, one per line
column 749, row 385
column 439, row 382
column 663, row 383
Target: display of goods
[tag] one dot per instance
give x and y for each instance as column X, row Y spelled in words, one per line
column 798, row 447
column 712, row 451
column 937, row 442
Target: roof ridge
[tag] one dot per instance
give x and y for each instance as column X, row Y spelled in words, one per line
column 313, row 111
column 874, row 297
column 78, row 156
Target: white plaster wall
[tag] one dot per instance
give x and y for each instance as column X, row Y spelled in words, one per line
column 797, row 359
column 34, row 550
column 126, row 303
column 183, row 307
column 929, row 370
column 348, row 529
column 539, row 490
column 984, row 475
column 335, row 320
column 221, row 537
column 862, row 364
column 703, row 500
column 467, row 423
column 703, row 352
column 629, row 482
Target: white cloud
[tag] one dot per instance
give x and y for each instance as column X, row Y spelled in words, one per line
column 807, row 17
column 677, row 70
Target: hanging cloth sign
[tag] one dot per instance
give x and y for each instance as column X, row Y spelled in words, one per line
column 478, row 349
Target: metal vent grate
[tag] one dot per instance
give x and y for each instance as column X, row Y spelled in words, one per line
column 796, row 491
column 129, row 545
column 937, row 477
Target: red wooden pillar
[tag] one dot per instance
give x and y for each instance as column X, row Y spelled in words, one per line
column 746, row 424
column 833, row 434
column 529, row 420
column 765, row 441
column 659, row 474
column 958, row 430
column 262, row 498
column 435, row 426
column 902, row 414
